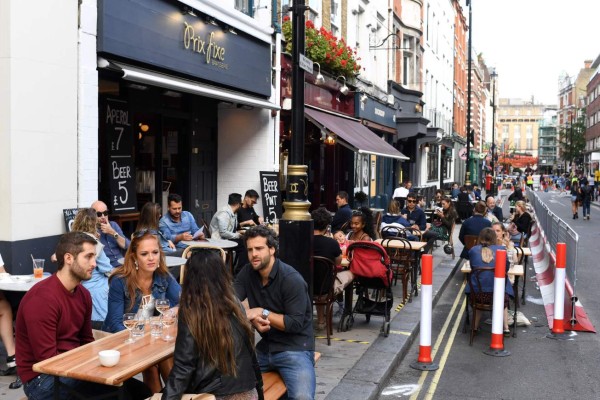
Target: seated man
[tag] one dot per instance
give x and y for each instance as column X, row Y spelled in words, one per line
column 281, row 311
column 177, row 225
column 55, row 317
column 224, row 225
column 344, row 212
column 473, row 226
column 493, row 209
column 246, row 215
column 111, row 236
column 413, row 214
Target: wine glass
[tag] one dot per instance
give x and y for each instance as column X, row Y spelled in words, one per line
column 162, row 305
column 168, row 320
column 130, row 321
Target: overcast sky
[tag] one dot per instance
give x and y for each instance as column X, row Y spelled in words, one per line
column 531, row 42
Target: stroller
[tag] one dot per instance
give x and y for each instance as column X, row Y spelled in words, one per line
column 370, row 264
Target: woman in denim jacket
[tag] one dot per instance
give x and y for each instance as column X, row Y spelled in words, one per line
column 143, row 275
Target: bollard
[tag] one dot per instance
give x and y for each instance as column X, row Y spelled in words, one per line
column 424, row 362
column 558, row 330
column 497, row 345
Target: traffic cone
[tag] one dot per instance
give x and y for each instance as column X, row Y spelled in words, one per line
column 558, row 331
column 497, row 345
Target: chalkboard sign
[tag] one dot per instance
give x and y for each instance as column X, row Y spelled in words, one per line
column 69, row 215
column 120, row 169
column 271, row 196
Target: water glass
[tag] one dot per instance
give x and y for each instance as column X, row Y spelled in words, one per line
column 138, row 330
column 130, row 321
column 155, row 327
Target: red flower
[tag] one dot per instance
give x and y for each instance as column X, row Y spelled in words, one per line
column 286, row 18
column 344, row 62
column 310, row 24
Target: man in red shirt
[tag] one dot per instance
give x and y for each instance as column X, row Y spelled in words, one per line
column 55, row 316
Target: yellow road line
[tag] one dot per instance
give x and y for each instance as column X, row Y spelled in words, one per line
column 440, row 338
column 438, row 373
column 343, row 340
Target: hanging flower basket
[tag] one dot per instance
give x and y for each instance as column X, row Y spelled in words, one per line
column 322, row 46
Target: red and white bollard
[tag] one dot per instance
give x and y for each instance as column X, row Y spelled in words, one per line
column 558, row 331
column 424, row 362
column 497, row 346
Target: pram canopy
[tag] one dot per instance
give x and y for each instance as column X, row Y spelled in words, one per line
column 370, row 260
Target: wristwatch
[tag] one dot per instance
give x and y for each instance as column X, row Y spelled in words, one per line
column 265, row 313
column 116, row 235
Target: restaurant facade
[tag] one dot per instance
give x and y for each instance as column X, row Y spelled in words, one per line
column 143, row 99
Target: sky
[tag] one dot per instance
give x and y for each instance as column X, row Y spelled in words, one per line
column 531, row 42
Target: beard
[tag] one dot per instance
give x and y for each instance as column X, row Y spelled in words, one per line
column 79, row 273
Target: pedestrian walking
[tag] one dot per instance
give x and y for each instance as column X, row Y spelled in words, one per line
column 574, row 197
column 586, row 193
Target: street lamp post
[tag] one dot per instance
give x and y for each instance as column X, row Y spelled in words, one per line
column 468, row 171
column 296, row 225
column 493, row 75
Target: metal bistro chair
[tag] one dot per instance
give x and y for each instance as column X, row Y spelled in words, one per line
column 470, row 241
column 323, row 280
column 408, row 231
column 476, row 304
column 401, row 262
column 389, row 231
column 187, row 253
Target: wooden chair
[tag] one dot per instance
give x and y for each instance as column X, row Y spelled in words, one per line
column 401, row 262
column 470, row 241
column 377, row 223
column 323, row 280
column 476, row 305
column 187, row 253
column 206, row 229
column 406, row 232
column 345, row 227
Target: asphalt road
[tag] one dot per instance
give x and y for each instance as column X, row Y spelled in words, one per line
column 538, row 367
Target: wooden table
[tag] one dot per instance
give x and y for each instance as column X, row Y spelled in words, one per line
column 82, row 362
column 516, row 271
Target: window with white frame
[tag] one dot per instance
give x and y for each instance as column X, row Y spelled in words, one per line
column 245, row 6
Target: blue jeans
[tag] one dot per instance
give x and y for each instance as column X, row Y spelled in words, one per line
column 42, row 388
column 297, row 369
column 586, row 207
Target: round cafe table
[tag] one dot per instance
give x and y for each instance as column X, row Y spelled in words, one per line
column 222, row 243
column 171, row 261
column 20, row 283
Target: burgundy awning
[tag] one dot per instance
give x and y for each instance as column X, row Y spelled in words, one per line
column 358, row 137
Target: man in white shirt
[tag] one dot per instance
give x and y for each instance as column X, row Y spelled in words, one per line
column 401, row 193
column 224, row 224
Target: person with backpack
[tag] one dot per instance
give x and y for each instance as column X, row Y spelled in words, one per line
column 586, row 192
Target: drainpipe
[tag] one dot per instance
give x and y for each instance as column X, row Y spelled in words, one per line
column 274, row 21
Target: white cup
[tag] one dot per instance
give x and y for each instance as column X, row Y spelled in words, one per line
column 109, row 358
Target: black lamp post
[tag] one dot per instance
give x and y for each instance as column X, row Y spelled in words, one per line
column 493, row 75
column 468, row 171
column 296, row 225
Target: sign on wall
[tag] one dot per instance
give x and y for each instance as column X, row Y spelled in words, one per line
column 69, row 216
column 271, row 196
column 121, row 168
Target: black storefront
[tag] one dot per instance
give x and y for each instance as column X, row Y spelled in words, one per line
column 168, row 72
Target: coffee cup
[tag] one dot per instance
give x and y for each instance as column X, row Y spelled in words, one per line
column 109, row 358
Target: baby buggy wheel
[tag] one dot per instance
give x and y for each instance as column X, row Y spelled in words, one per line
column 368, row 318
column 385, row 329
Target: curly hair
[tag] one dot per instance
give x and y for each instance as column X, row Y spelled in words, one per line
column 85, row 221
column 364, row 213
column 322, row 218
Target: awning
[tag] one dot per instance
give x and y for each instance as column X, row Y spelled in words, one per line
column 358, row 137
column 171, row 82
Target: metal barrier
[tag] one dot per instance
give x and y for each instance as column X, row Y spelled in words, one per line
column 557, row 231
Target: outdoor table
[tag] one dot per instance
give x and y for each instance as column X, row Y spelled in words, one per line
column 516, row 271
column 82, row 362
column 414, row 246
column 20, row 283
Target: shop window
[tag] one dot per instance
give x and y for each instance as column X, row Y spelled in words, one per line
column 432, row 163
column 245, row 6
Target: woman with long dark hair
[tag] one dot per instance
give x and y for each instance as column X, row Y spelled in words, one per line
column 362, row 225
column 441, row 222
column 214, row 351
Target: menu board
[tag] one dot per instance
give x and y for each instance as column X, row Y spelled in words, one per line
column 121, row 168
column 69, row 215
column 271, row 196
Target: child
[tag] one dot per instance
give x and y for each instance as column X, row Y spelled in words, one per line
column 343, row 242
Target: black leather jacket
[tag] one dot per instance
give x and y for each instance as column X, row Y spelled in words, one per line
column 192, row 374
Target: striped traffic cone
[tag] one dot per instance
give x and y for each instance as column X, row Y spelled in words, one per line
column 558, row 331
column 497, row 346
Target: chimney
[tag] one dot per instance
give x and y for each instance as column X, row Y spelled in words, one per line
column 588, row 63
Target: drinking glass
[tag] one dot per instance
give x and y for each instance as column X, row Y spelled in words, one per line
column 130, row 321
column 168, row 320
column 162, row 305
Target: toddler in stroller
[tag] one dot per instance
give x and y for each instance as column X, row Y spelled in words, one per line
column 370, row 265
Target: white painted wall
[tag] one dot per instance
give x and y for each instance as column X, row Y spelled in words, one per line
column 248, row 143
column 38, row 114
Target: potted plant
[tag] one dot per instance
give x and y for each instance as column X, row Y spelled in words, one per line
column 323, row 47
column 361, row 199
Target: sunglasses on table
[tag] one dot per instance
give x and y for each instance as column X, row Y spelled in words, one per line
column 102, row 213
column 139, row 234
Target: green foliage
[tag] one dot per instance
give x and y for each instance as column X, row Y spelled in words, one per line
column 571, row 139
column 322, row 46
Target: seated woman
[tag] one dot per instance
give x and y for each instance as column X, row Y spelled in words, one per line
column 393, row 218
column 150, row 215
column 6, row 334
column 521, row 219
column 86, row 221
column 504, row 240
column 442, row 222
column 484, row 255
column 143, row 274
column 214, row 352
column 362, row 225
column 437, row 199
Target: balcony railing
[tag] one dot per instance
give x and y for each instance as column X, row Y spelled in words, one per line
column 437, row 119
